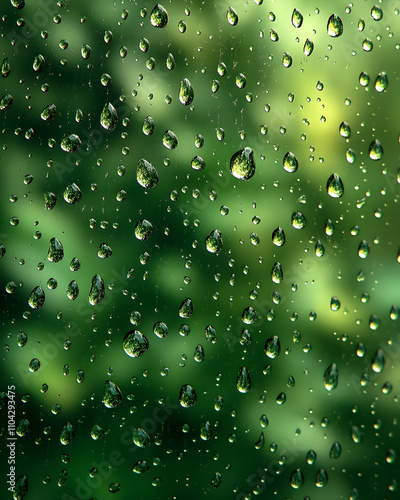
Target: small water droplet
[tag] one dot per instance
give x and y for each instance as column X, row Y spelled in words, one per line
column 242, row 164
column 186, row 308
column 96, row 293
column 308, row 47
column 335, row 451
column 290, row 163
column 109, row 117
column 272, row 347
column 378, row 361
column 334, row 186
column 375, row 150
column 141, row 467
column 67, row 434
column 186, row 92
column 214, row 241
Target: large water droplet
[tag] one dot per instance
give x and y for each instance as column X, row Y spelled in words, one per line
column 242, row 164
column 321, row 478
column 38, row 63
column 135, row 344
column 331, row 377
column 334, row 186
column 345, row 130
column 356, row 434
column 308, row 47
column 334, row 26
column 21, row 483
column 169, row 139
column 232, row 16
column 36, row 298
column 296, row 479
column 96, row 293
column 143, row 229
column 336, row 450
column 290, row 163
column 109, row 117
column 278, row 237
column 272, row 347
column 277, row 273
column 381, row 82
column 159, row 17
column 186, row 308
column 104, row 251
column 243, row 380
column 187, row 396
column 72, row 193
column 49, row 113
column 186, row 93
column 249, row 316
column 5, row 67
column 287, row 60
column 6, row 101
column 146, row 174
column 71, row 143
column 214, row 241
column 140, row 437
column 148, row 125
column 298, row 220
column 297, row 18
column 56, row 250
column 141, row 467
column 205, row 431
column 72, row 290
column 378, row 361
column 376, row 13
column 112, row 396
column 375, row 150
column 67, row 434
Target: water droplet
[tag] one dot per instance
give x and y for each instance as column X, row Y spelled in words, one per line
column 298, row 220
column 97, row 432
column 140, row 437
column 367, row 45
column 86, row 51
column 72, row 193
column 21, row 483
column 96, row 293
column 272, row 347
column 67, row 434
column 278, row 237
column 169, row 139
column 112, row 396
column 243, row 380
column 18, row 4
column 378, row 361
column 198, row 163
column 356, row 434
column 287, row 60
column 187, row 396
column 160, row 329
column 297, row 18
column 249, row 316
column 73, row 290
column 104, row 251
column 363, row 249
column 56, row 250
column 186, row 92
column 159, row 17
column 38, row 63
column 34, row 365
column 218, row 403
column 290, row 163
column 6, row 102
column 205, row 431
column 273, row 35
column 335, row 26
column 135, row 344
column 148, row 125
column 143, row 229
column 170, row 62
column 331, row 377
column 375, row 150
column 199, row 353
column 381, row 82
column 335, row 451
column 242, row 164
column 311, row 457
column 75, row 264
column 109, row 117
column 296, row 479
column 232, row 16
column 49, row 113
column 345, row 130
column 186, row 308
column 260, row 442
column 277, row 272
column 376, row 13
column 308, row 47
column 141, row 467
column 321, row 478
column 71, row 143
column 214, row 241
column 319, row 248
column 36, row 298
column 216, row 479
column 334, row 186
column 146, row 174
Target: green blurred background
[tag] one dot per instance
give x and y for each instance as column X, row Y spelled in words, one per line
column 300, row 108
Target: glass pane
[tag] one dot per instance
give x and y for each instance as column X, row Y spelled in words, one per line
column 198, row 250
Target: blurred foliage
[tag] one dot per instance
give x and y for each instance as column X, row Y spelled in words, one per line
column 120, row 127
